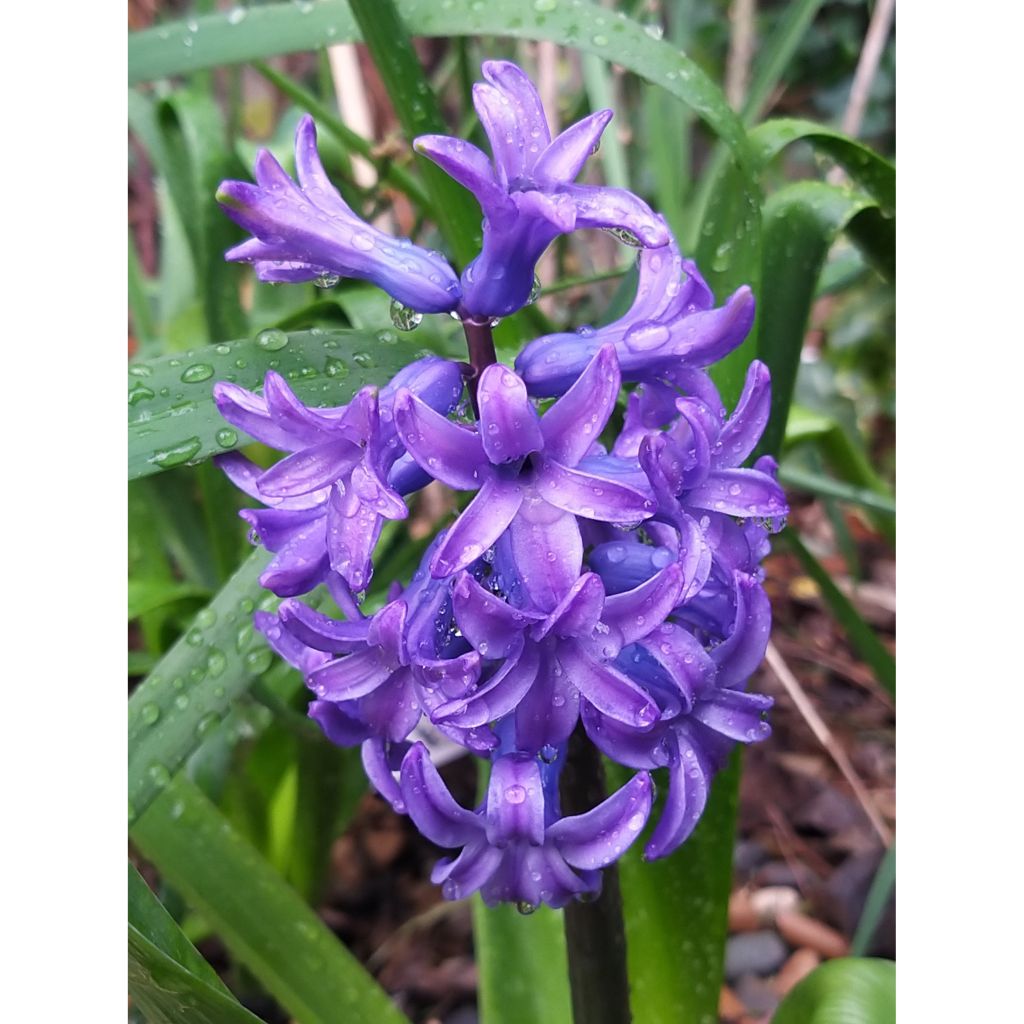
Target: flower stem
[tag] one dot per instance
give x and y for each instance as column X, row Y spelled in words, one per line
column 594, row 933
column 480, row 342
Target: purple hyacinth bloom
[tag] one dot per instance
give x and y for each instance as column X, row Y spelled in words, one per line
column 515, row 848
column 695, row 465
column 704, row 709
column 670, row 330
column 306, row 230
column 527, row 193
column 329, row 497
column 554, row 663
column 531, row 471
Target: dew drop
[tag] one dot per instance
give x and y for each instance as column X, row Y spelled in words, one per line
column 177, row 455
column 326, row 279
column 196, row 373
column 138, row 392
column 149, row 713
column 335, row 367
column 272, row 339
column 227, row 438
column 404, row 317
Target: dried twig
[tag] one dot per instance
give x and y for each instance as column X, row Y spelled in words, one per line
column 824, row 736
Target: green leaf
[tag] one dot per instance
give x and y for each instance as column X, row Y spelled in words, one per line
column 874, row 906
column 146, row 595
column 388, row 40
column 175, row 48
column 872, row 172
column 524, row 973
column 195, row 684
column 263, row 922
column 172, row 418
column 148, row 915
column 167, row 993
column 860, row 634
column 827, row 487
column 774, row 56
column 675, row 912
column 194, row 160
column 845, row 991
column 801, row 221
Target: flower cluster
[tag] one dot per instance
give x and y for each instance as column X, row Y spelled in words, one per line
column 604, row 575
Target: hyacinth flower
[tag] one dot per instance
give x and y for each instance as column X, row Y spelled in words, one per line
column 330, row 495
column 516, row 848
column 526, row 191
column 527, row 469
column 703, row 709
column 304, row 230
column 560, row 660
column 587, row 592
column 671, row 330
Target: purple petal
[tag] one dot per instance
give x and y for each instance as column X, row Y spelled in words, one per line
column 636, row 612
column 683, row 659
column 689, row 781
column 352, row 530
column 341, row 729
column 547, row 549
column 576, row 420
column 739, row 492
column 739, row 655
column 378, row 771
column 611, row 692
column 464, row 875
column 549, row 710
column 320, row 632
column 602, row 835
column 354, row 675
column 484, row 520
column 499, row 696
column 591, row 496
column 310, row 469
column 431, row 806
column 448, row 452
column 515, row 802
column 393, row 709
column 604, row 207
column 454, row 677
column 578, row 613
column 509, row 426
column 487, row 622
column 471, row 168
column 735, row 714
column 248, row 412
column 741, row 433
column 564, row 158
column 300, row 564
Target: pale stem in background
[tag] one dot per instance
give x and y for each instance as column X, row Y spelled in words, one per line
column 354, row 108
column 742, row 38
column 547, row 86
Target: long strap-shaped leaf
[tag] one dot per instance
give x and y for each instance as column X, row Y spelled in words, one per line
column 180, row 47
column 167, row 977
column 847, row 991
column 172, row 419
column 675, row 913
column 194, row 684
column 523, row 968
column 800, row 223
column 262, row 920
